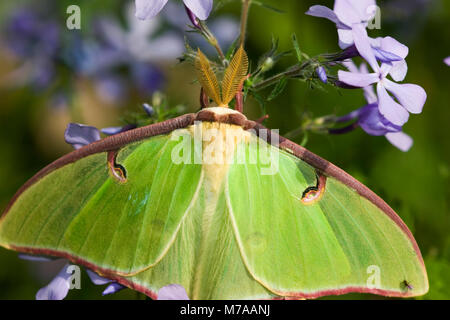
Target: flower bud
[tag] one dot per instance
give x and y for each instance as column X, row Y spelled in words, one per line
column 322, row 74
column 267, row 64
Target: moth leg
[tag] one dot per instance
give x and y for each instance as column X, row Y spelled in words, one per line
column 261, row 120
column 240, row 96
column 204, row 100
column 116, row 170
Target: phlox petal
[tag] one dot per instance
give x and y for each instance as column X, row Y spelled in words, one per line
column 400, row 140
column 411, row 96
column 391, row 110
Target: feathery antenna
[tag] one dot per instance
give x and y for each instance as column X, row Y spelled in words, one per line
column 207, row 78
column 232, row 80
column 234, row 75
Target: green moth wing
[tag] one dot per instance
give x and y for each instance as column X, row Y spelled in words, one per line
column 333, row 242
column 204, row 259
column 83, row 210
column 123, row 208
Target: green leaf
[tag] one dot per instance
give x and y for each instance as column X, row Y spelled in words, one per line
column 297, row 48
column 300, row 55
column 278, row 89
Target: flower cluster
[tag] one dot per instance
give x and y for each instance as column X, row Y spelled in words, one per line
column 388, row 110
column 136, row 49
column 33, row 37
column 118, row 60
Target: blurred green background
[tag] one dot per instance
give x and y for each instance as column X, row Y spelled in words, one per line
column 416, row 184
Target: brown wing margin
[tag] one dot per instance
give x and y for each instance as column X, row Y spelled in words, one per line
column 111, row 143
column 331, row 170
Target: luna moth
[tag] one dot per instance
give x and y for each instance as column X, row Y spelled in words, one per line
column 265, row 219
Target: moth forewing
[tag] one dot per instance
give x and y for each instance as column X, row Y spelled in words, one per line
column 182, row 152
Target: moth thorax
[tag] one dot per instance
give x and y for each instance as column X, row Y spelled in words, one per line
column 222, row 109
column 220, row 141
column 219, row 144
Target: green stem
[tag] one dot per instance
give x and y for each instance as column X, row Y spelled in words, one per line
column 274, row 79
column 295, row 70
column 213, row 41
column 244, row 19
column 219, row 51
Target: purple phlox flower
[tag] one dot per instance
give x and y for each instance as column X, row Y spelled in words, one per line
column 371, row 120
column 148, row 109
column 146, row 9
column 59, row 287
column 140, row 42
column 346, row 14
column 386, row 50
column 322, row 74
column 373, row 123
column 411, row 98
column 137, row 49
column 400, row 140
column 447, row 61
column 91, row 58
column 390, row 51
column 148, row 78
column 30, row 33
column 110, row 131
column 349, row 14
column 172, row 292
column 369, row 93
column 112, row 287
column 100, row 64
column 111, row 87
column 79, row 135
column 33, row 36
column 193, row 18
